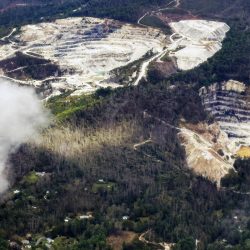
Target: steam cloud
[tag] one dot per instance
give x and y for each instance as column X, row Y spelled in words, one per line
column 21, row 117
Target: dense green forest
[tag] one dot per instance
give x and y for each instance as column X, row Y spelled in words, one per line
column 128, row 10
column 151, row 185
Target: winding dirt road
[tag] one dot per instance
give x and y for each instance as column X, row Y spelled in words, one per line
column 10, row 34
column 163, row 245
column 174, row 44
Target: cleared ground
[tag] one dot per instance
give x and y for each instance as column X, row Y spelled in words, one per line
column 199, row 41
column 86, row 50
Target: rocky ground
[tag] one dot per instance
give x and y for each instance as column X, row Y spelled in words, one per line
column 198, row 40
column 211, row 149
column 86, row 50
column 80, row 54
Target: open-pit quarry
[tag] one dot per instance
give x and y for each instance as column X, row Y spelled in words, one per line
column 229, row 103
column 208, row 149
column 82, row 54
column 211, row 149
column 86, row 50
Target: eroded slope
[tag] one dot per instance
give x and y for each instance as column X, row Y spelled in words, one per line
column 208, row 150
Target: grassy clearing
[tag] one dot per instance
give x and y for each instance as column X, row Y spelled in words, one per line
column 116, row 241
column 65, row 105
column 31, row 178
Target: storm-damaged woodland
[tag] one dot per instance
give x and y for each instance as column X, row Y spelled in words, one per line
column 160, row 158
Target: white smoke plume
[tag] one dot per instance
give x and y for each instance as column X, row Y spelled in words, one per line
column 21, row 117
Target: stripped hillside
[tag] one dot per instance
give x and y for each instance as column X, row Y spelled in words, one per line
column 212, row 148
column 85, row 52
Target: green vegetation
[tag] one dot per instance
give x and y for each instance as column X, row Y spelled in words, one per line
column 150, row 185
column 65, row 105
column 231, row 62
column 166, row 58
column 239, row 181
column 185, row 244
column 4, row 31
column 31, row 178
column 30, row 67
column 224, row 9
column 175, row 11
column 123, row 74
column 48, row 10
column 154, row 21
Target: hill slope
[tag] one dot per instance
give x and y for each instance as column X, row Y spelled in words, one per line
column 115, row 163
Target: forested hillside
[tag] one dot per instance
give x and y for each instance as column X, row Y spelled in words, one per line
column 111, row 171
column 36, row 11
column 117, row 176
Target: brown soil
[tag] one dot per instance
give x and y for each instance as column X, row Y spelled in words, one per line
column 165, row 68
column 116, row 241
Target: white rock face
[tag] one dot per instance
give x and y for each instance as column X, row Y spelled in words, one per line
column 200, row 40
column 86, row 49
column 229, row 103
column 234, row 86
column 211, row 149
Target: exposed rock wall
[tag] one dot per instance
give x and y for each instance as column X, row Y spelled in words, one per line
column 211, row 149
column 229, row 104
